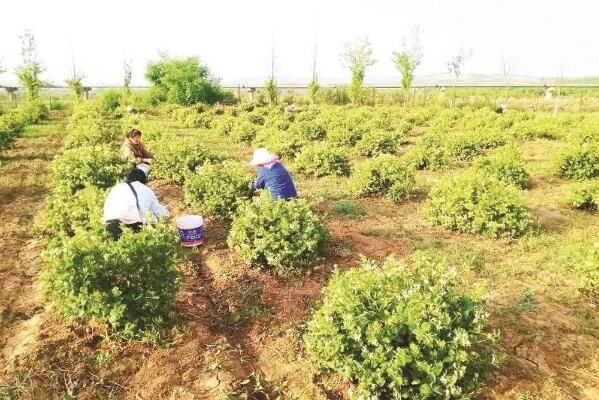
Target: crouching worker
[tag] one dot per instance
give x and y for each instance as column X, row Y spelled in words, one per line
column 134, row 151
column 272, row 175
column 132, row 204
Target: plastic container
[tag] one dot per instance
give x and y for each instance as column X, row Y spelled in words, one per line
column 191, row 230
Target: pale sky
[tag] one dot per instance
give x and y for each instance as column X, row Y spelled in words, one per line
column 234, row 38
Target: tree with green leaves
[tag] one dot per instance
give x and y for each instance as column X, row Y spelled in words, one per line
column 408, row 59
column 75, row 84
column 185, row 81
column 29, row 73
column 357, row 57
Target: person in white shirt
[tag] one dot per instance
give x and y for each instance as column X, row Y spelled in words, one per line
column 132, row 204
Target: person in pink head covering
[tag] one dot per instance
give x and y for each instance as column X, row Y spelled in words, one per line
column 272, row 175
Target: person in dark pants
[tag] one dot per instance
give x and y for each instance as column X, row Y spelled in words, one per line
column 132, row 204
column 272, row 175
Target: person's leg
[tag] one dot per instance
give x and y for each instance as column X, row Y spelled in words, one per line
column 114, row 227
column 136, row 227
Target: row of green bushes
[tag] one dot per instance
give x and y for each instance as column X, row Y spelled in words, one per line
column 373, row 327
column 13, row 122
column 129, row 284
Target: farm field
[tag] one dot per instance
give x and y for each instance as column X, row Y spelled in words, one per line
column 238, row 330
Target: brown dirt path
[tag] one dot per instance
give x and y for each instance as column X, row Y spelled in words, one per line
column 24, row 172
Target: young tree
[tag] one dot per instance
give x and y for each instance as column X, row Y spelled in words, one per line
column 408, row 59
column 271, row 84
column 29, row 73
column 75, row 83
column 127, row 69
column 506, row 72
column 313, row 87
column 455, row 65
column 357, row 57
column 558, row 83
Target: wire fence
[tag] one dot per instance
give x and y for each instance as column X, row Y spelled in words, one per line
column 536, row 97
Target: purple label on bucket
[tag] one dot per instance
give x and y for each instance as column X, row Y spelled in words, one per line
column 191, row 235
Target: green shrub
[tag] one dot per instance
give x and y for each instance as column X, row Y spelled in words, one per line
column 539, row 128
column 467, row 146
column 243, row 132
column 279, row 122
column 257, row 116
column 384, row 175
column 13, row 122
column 192, row 117
column 584, row 195
column 176, row 159
column 375, row 143
column 507, row 165
column 110, row 100
column 66, row 213
column 478, row 203
column 224, row 125
column 589, row 271
column 99, row 166
column 10, row 127
column 336, row 96
column 343, row 137
column 90, row 130
column 579, row 162
column 402, row 330
column 322, row 160
column 309, row 130
column 420, row 116
column 583, row 260
column 32, row 112
column 217, row 188
column 281, row 143
column 152, row 131
column 285, row 235
column 130, row 283
column 430, row 153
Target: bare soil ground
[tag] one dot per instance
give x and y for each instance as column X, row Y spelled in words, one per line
column 240, row 330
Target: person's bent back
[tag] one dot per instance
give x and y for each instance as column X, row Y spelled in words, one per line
column 132, row 204
column 272, row 175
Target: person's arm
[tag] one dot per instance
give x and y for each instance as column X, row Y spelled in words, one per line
column 145, row 153
column 158, row 209
column 260, row 180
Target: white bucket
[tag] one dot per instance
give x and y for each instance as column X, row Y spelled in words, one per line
column 191, row 230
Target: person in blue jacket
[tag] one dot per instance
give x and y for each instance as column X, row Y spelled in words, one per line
column 272, row 175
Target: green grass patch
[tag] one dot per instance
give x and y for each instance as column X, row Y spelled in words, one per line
column 348, row 209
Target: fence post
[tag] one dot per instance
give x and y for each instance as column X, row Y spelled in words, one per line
column 239, row 92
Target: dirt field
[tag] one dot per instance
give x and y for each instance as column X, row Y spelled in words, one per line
column 240, row 330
